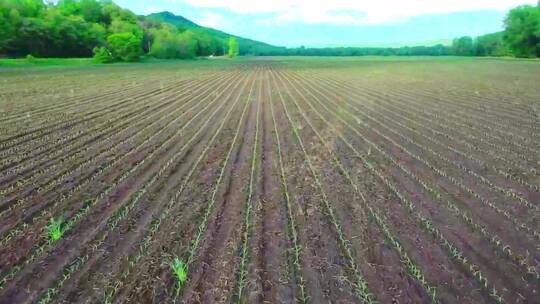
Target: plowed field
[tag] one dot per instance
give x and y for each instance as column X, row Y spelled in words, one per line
column 272, row 181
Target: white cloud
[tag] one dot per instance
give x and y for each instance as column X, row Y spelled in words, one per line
column 151, row 9
column 213, row 20
column 352, row 11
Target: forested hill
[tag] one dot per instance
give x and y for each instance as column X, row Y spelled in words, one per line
column 247, row 46
column 171, row 18
column 100, row 28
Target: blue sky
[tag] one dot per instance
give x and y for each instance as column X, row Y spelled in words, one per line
column 319, row 23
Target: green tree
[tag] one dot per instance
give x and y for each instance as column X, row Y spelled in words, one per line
column 31, row 37
column 164, row 43
column 8, row 20
column 234, row 49
column 122, row 26
column 112, row 11
column 125, row 46
column 68, row 7
column 71, row 36
column 25, row 8
column 206, row 44
column 463, row 46
column 491, row 45
column 522, row 33
column 169, row 44
column 91, row 10
column 187, row 45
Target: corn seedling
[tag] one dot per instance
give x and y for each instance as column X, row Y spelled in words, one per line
column 55, row 230
column 179, row 269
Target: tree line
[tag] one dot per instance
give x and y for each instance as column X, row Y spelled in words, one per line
column 520, row 38
column 436, row 50
column 100, row 28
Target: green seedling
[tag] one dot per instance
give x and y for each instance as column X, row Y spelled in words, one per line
column 179, row 269
column 55, row 230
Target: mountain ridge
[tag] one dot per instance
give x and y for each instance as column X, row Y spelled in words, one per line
column 247, row 45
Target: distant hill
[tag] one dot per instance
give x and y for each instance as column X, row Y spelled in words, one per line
column 171, row 18
column 247, row 46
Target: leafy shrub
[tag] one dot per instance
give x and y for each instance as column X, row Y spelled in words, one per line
column 102, row 55
column 30, row 58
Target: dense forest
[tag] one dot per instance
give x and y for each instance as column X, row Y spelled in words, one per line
column 84, row 28
column 100, row 28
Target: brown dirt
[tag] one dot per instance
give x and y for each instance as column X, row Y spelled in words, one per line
column 337, row 108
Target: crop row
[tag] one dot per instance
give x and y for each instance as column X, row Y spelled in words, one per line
column 474, row 106
column 509, row 193
column 192, row 251
column 78, row 142
column 142, row 250
column 398, row 106
column 292, row 226
column 30, row 108
column 80, row 116
column 124, row 212
column 384, row 106
column 520, row 260
column 79, row 151
column 82, row 119
column 424, row 222
column 112, row 163
column 494, row 113
column 65, row 98
column 360, row 284
column 248, row 210
column 505, row 141
column 438, row 119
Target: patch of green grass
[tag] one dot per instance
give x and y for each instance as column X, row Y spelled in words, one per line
column 59, row 63
column 54, row 229
column 179, row 269
column 45, row 61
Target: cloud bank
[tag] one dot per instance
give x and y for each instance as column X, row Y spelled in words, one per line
column 350, row 11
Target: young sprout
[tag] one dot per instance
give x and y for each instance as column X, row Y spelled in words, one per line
column 179, row 270
column 54, row 229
